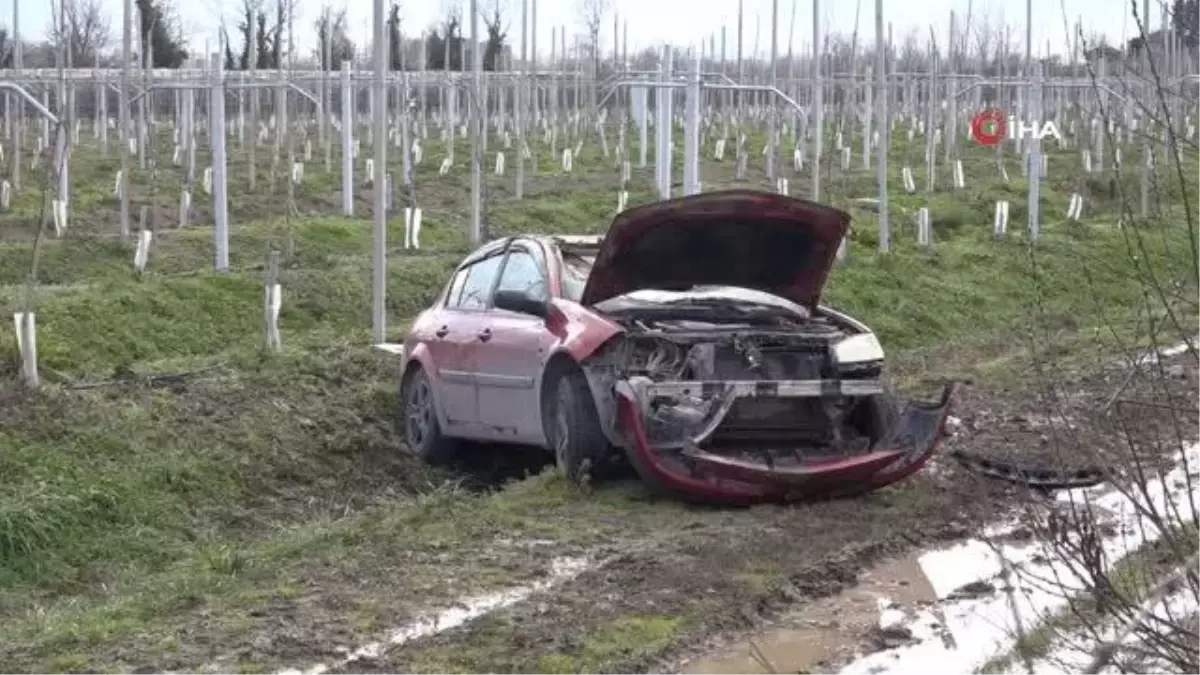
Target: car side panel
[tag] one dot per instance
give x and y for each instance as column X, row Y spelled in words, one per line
column 457, row 374
column 446, row 344
column 578, row 330
column 507, row 372
column 440, row 337
column 510, row 366
column 576, row 333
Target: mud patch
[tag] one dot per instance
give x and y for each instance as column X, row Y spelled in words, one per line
column 682, row 580
column 688, row 574
column 432, row 623
column 350, row 614
column 829, row 630
column 1070, row 427
column 479, row 467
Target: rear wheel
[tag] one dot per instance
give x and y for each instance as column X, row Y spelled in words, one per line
column 422, row 431
column 573, row 427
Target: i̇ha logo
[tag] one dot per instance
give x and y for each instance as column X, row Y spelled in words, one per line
column 991, row 126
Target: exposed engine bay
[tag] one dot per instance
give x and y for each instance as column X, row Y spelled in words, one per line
column 772, row 390
column 727, row 379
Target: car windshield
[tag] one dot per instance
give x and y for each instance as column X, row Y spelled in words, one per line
column 576, row 269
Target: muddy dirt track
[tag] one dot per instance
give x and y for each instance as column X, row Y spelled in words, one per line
column 656, row 584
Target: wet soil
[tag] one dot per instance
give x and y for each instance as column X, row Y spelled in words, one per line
column 1110, row 415
column 829, row 630
column 671, row 582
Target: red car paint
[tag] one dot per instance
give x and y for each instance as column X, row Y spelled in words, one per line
column 486, row 365
column 717, row 480
column 580, row 330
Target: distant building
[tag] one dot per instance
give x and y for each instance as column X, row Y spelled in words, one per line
column 1156, row 40
column 1107, row 52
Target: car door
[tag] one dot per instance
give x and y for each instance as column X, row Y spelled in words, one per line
column 461, row 323
column 512, row 351
column 444, row 359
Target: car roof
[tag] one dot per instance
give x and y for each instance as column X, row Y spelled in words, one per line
column 579, row 244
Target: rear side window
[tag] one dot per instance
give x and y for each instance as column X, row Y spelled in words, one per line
column 575, row 271
column 477, row 289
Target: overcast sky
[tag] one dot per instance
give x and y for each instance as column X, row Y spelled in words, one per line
column 653, row 22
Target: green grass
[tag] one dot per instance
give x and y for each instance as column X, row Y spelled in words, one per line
column 121, row 505
column 1083, row 275
column 624, row 638
column 133, row 482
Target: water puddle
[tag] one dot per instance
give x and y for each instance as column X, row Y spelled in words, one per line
column 1152, row 357
column 976, row 619
column 830, row 630
column 1075, row 651
column 948, row 608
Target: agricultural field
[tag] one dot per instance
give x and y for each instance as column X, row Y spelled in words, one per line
column 176, row 495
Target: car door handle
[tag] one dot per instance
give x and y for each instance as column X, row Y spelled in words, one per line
column 442, row 332
column 484, row 335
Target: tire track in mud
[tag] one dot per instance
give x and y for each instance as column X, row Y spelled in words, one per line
column 729, row 577
column 715, row 569
column 669, row 592
column 430, row 623
column 646, row 571
column 676, row 581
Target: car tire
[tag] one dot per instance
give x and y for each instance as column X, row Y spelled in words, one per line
column 422, row 432
column 877, row 412
column 573, row 427
column 884, row 413
column 886, row 406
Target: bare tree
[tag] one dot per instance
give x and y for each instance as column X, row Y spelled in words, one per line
column 283, row 15
column 251, row 13
column 839, row 53
column 592, row 12
column 912, row 53
column 332, row 24
column 1095, row 46
column 983, row 30
column 160, row 34
column 646, row 59
column 7, row 47
column 444, row 46
column 82, row 26
column 497, row 32
column 271, row 35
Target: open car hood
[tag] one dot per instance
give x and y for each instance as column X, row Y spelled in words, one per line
column 745, row 238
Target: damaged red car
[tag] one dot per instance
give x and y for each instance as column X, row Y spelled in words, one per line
column 690, row 338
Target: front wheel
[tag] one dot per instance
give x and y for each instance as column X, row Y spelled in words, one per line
column 573, row 428
column 422, row 431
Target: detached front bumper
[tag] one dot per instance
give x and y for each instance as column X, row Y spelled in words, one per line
column 681, row 466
